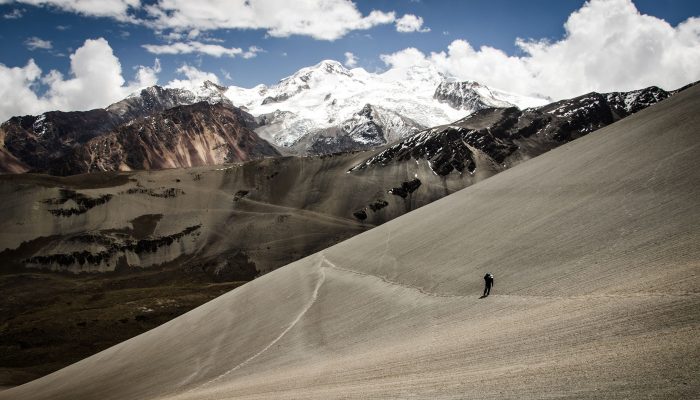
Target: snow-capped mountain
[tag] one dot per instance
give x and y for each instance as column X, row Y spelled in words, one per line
column 472, row 96
column 328, row 96
column 156, row 98
column 371, row 127
column 501, row 137
column 322, row 109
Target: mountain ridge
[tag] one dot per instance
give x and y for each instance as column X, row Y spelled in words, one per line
column 321, row 97
column 507, row 136
column 64, row 143
column 322, row 109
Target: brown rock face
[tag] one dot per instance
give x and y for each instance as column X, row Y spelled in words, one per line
column 184, row 136
column 47, row 143
column 66, row 143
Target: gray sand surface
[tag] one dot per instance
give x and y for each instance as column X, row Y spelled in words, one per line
column 595, row 247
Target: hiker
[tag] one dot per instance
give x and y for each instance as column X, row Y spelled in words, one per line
column 488, row 283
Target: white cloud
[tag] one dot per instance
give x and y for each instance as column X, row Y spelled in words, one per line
column 320, row 19
column 196, row 47
column 405, row 58
column 146, row 76
column 34, row 43
column 16, row 95
column 214, row 50
column 172, row 36
column 252, row 52
column 96, row 81
column 14, row 14
column 117, row 9
column 410, row 23
column 350, row 60
column 194, row 78
column 608, row 46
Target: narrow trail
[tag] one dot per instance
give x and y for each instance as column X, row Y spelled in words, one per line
column 307, row 213
column 326, row 263
column 523, row 296
column 387, row 281
column 296, row 320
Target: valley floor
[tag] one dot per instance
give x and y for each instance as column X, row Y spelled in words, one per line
column 51, row 320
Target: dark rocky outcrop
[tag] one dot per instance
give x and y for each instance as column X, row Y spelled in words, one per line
column 360, row 214
column 240, row 194
column 508, row 135
column 406, row 188
column 83, row 202
column 161, row 193
column 113, row 249
column 230, row 267
column 378, row 205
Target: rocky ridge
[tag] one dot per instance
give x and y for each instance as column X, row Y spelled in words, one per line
column 507, row 136
column 154, row 128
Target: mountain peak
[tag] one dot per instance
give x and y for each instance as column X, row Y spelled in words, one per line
column 157, row 98
column 212, row 85
column 325, row 67
column 468, row 95
column 331, row 66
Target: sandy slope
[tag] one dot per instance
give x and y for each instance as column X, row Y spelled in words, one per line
column 595, row 249
column 294, row 207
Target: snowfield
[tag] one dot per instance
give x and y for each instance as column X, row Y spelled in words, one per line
column 327, row 94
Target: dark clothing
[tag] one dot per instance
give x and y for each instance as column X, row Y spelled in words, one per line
column 488, row 284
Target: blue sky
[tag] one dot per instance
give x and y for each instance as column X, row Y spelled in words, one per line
column 495, row 23
column 82, row 54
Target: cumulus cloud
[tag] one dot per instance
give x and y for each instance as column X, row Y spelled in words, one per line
column 16, row 94
column 193, row 78
column 350, row 60
column 34, row 43
column 320, row 19
column 405, row 58
column 145, row 76
column 410, row 23
column 214, row 50
column 608, row 46
column 95, row 81
column 117, row 9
